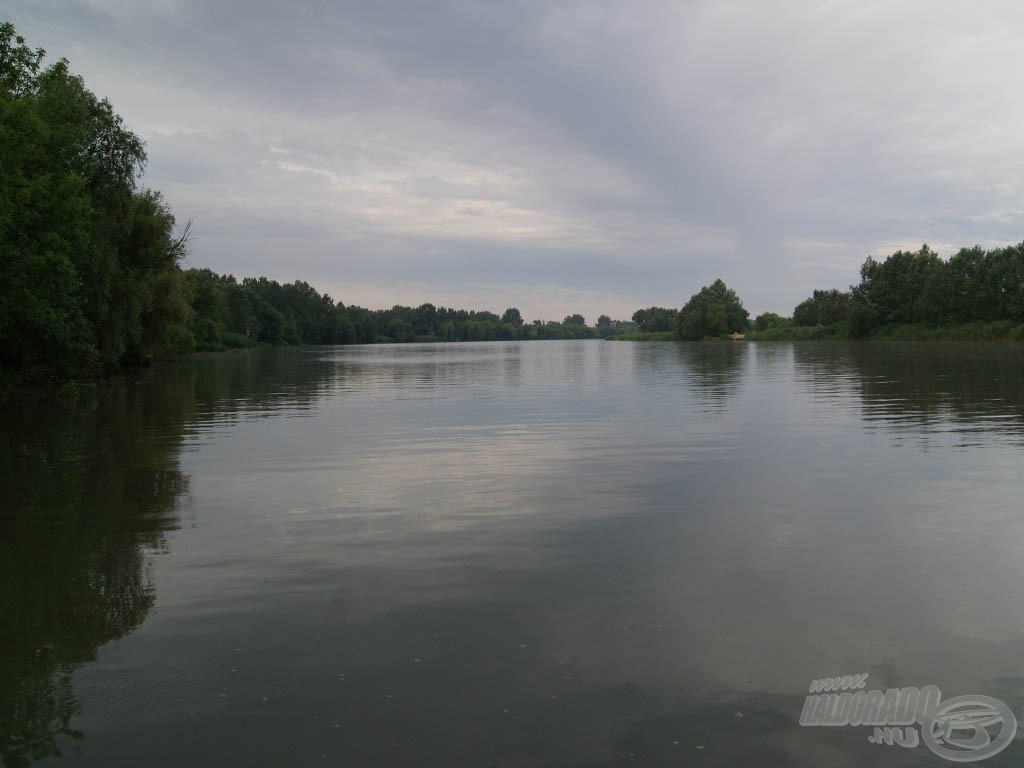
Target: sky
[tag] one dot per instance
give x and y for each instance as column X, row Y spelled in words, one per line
column 563, row 157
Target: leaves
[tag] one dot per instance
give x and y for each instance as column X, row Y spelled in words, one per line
column 713, row 311
column 89, row 266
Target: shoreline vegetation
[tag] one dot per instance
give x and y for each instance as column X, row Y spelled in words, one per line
column 92, row 276
column 1001, row 331
column 975, row 295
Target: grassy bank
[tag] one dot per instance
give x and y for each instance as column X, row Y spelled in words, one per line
column 997, row 331
column 1003, row 330
column 668, row 336
column 650, row 336
column 227, row 341
column 799, row 333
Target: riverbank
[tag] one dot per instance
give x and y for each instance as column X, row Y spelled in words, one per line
column 651, row 336
column 996, row 331
column 672, row 336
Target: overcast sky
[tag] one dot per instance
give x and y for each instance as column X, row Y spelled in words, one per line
column 563, row 157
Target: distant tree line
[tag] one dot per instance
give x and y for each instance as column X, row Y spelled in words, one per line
column 975, row 294
column 91, row 264
column 917, row 294
column 229, row 313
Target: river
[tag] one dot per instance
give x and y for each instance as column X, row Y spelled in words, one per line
column 573, row 553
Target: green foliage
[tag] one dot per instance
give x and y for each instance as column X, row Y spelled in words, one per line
column 236, row 340
column 713, row 311
column 789, row 332
column 992, row 331
column 921, row 290
column 823, row 308
column 88, row 265
column 648, row 336
column 19, row 64
column 226, row 313
column 987, row 286
column 44, row 223
column 907, row 287
column 655, row 319
column 767, row 320
column 914, row 295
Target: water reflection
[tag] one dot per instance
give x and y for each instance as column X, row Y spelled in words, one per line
column 938, row 394
column 707, row 375
column 562, row 553
column 91, row 485
column 713, row 370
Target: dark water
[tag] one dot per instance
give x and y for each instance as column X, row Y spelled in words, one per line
column 551, row 553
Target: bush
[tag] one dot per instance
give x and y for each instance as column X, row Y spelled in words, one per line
column 236, row 340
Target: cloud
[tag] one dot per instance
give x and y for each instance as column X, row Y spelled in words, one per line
column 591, row 150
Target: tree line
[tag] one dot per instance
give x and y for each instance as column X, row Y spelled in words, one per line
column 976, row 293
column 232, row 313
column 91, row 271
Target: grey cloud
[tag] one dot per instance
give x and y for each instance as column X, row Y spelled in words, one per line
column 605, row 147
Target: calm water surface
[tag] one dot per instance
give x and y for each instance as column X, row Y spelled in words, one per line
column 550, row 553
